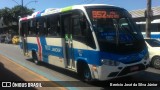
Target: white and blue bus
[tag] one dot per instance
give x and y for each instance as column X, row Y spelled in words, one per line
column 155, row 28
column 95, row 40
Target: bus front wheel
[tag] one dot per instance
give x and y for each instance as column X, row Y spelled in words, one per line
column 84, row 72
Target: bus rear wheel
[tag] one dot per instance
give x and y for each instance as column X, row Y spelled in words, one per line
column 34, row 57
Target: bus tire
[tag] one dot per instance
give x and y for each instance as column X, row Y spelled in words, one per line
column 84, row 72
column 34, row 57
column 156, row 62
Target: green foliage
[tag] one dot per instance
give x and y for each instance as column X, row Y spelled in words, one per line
column 12, row 15
column 19, row 11
column 6, row 15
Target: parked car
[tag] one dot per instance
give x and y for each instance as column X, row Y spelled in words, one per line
column 154, row 52
column 15, row 40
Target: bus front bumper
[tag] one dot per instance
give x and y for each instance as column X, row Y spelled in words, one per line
column 109, row 72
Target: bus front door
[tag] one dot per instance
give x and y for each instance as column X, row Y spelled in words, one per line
column 67, row 35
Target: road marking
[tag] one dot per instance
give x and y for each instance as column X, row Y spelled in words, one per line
column 42, row 78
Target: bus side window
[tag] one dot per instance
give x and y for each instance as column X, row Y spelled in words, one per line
column 30, row 28
column 158, row 27
column 45, row 27
column 24, row 30
column 21, row 29
column 81, row 29
column 87, row 32
column 154, row 27
column 40, row 26
column 76, row 27
column 53, row 26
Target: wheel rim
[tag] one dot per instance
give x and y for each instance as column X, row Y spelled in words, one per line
column 157, row 62
column 86, row 74
column 35, row 58
column 36, row 61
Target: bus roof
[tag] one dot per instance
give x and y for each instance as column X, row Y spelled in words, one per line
column 57, row 10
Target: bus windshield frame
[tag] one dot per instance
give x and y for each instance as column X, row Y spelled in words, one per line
column 115, row 30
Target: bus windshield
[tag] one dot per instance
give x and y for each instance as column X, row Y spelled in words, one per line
column 115, row 30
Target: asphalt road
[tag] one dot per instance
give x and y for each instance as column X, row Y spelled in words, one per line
column 70, row 79
column 14, row 73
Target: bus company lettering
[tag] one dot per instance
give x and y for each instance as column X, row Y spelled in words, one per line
column 47, row 47
column 56, row 49
column 52, row 49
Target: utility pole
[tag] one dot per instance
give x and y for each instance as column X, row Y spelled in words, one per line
column 148, row 14
column 22, row 3
column 22, row 8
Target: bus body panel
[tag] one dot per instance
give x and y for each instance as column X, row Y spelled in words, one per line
column 110, row 72
column 51, row 53
column 66, row 51
column 155, row 28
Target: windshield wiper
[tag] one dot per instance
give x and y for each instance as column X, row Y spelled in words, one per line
column 127, row 30
column 117, row 34
column 117, row 31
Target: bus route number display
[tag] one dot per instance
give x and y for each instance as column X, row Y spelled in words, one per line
column 104, row 14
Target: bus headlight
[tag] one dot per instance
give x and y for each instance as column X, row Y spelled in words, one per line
column 110, row 62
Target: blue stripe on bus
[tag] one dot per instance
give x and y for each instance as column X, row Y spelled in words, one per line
column 46, row 51
column 43, row 43
column 32, row 47
column 153, row 35
column 92, row 57
column 125, row 58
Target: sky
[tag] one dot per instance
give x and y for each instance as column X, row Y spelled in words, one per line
column 41, row 5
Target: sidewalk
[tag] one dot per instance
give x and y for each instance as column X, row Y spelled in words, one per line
column 11, row 71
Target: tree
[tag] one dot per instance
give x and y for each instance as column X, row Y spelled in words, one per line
column 6, row 15
column 12, row 15
column 20, row 11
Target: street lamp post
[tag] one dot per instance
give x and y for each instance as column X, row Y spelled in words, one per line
column 148, row 19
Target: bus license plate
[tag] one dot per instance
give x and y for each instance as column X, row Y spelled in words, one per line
column 134, row 68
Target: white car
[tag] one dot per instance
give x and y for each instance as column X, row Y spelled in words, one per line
column 154, row 52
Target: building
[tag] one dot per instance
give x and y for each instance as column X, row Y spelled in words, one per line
column 139, row 18
column 139, row 15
